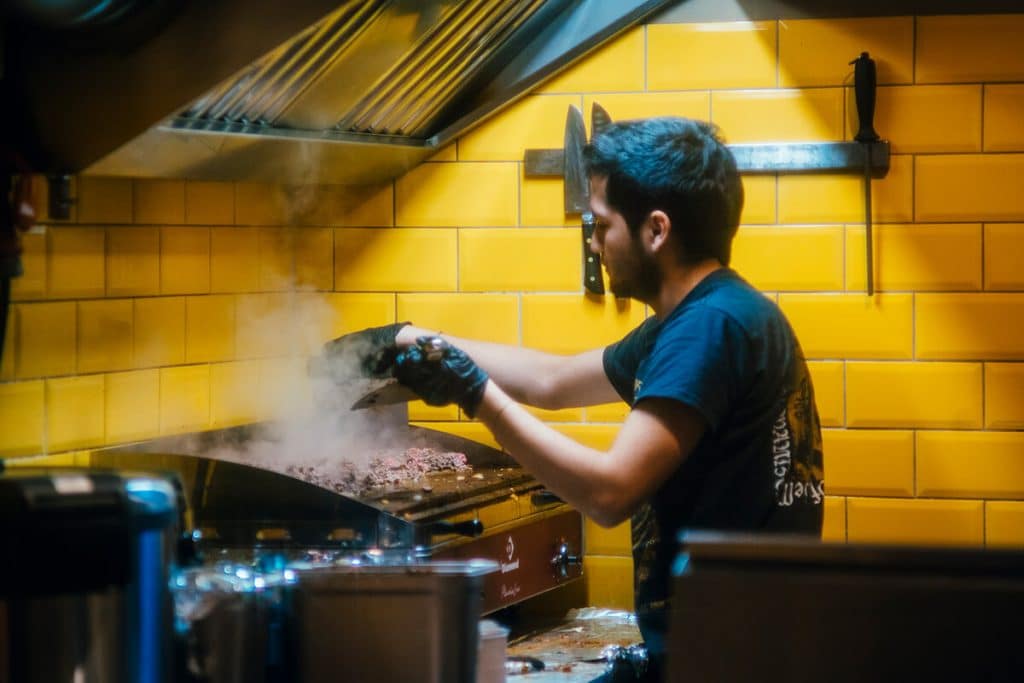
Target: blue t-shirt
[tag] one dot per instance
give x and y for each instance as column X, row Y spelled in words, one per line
column 728, row 352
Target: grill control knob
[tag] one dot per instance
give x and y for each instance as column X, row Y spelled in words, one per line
column 563, row 560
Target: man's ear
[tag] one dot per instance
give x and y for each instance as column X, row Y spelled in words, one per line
column 659, row 226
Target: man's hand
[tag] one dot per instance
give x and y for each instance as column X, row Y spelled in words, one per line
column 366, row 353
column 441, row 374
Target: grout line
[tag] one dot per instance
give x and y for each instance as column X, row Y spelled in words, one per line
column 984, row 88
column 913, row 52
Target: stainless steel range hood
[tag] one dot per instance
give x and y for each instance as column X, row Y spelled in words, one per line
column 305, row 91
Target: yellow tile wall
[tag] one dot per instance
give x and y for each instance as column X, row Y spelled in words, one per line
column 127, row 309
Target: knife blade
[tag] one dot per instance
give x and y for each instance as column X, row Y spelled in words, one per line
column 599, row 120
column 577, row 195
column 388, row 393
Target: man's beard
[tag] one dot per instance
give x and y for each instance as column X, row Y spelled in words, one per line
column 642, row 280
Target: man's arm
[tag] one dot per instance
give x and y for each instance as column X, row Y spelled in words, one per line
column 543, row 380
column 607, row 486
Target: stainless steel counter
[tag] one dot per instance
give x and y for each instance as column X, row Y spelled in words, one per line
column 570, row 647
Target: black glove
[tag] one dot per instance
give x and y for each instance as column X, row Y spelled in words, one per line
column 366, row 353
column 441, row 374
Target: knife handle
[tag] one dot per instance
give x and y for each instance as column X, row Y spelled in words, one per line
column 592, row 280
column 864, row 84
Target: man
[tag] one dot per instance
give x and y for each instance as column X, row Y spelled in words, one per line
column 723, row 431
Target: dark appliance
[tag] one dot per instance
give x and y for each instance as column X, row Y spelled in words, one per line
column 776, row 608
column 84, row 592
column 494, row 511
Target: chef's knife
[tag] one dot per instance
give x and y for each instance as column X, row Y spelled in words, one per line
column 577, row 196
column 864, row 83
column 599, row 120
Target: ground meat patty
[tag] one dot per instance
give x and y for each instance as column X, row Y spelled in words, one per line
column 411, row 465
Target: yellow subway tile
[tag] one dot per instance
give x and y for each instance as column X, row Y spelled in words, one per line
column 449, row 152
column 599, row 436
column 913, row 395
column 74, row 412
column 352, row 312
column 159, row 202
column 609, row 581
column 184, row 399
column 926, row 522
column 840, row 198
column 965, row 48
column 869, row 463
column 969, row 187
column 458, row 194
column 916, row 257
column 1004, row 259
column 488, row 317
column 970, row 465
column 284, row 388
column 184, row 260
column 924, row 118
column 1004, row 396
column 7, row 353
column 21, row 418
column 209, row 203
column 405, row 260
column 608, row 412
column 474, row 431
column 45, row 342
column 571, row 323
column 833, row 529
column 514, row 259
column 1004, row 524
column 421, row 412
column 314, row 258
column 259, row 320
column 133, row 261
column 234, row 393
column 626, row 106
column 159, row 331
column 563, row 415
column 1004, row 128
column 759, row 199
column 616, row 541
column 76, row 262
column 739, row 54
column 892, row 197
column 534, row 122
column 851, row 326
column 32, row 282
column 234, row 260
column 210, row 328
column 969, row 326
column 818, row 51
column 276, row 260
column 348, row 205
column 105, row 335
column 779, row 115
column 614, row 67
column 260, row 204
column 829, row 388
column 132, row 406
column 543, row 203
column 790, row 258
column 104, row 200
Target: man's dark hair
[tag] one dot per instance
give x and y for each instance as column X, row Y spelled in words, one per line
column 679, row 166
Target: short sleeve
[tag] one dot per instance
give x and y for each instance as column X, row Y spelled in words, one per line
column 622, row 359
column 698, row 359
